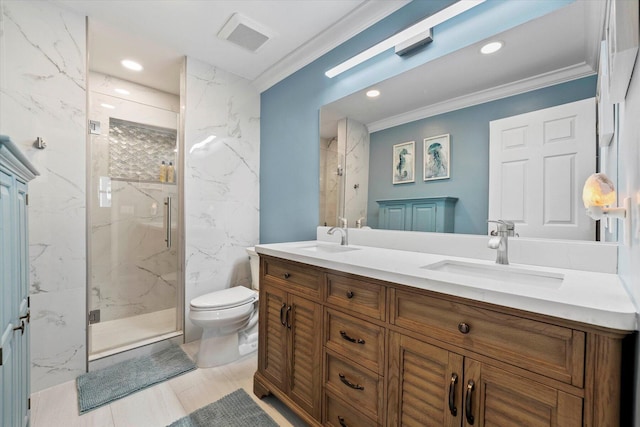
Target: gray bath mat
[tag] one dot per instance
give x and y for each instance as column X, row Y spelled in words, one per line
column 101, row 387
column 234, row 410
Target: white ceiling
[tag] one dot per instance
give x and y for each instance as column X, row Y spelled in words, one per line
column 554, row 48
column 160, row 32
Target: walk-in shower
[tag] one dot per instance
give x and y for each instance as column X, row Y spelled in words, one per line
column 135, row 291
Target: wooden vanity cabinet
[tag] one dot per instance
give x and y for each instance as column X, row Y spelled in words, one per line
column 374, row 353
column 290, row 343
column 431, row 386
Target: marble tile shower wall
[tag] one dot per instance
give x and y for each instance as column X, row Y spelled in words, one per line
column 329, row 181
column 43, row 93
column 356, row 171
column 222, row 157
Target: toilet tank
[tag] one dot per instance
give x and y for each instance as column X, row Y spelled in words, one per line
column 254, row 261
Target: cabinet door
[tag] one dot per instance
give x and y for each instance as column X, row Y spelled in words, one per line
column 22, row 301
column 272, row 359
column 305, row 343
column 493, row 397
column 424, row 384
column 424, row 217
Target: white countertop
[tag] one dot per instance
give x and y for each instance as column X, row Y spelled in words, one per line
column 589, row 297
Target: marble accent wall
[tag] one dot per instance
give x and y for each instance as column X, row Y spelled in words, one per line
column 356, row 188
column 43, row 94
column 330, row 181
column 222, row 155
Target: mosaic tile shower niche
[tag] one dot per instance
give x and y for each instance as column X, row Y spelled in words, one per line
column 136, row 150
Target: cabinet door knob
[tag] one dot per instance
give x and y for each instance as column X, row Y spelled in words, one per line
column 341, row 421
column 20, row 328
column 464, row 328
column 349, row 294
column 26, row 317
column 286, row 275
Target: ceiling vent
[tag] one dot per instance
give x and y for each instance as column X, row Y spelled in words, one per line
column 244, row 32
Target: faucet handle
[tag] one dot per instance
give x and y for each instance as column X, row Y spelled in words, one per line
column 504, row 226
column 343, row 222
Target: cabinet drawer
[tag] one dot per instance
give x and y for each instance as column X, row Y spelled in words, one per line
column 295, row 277
column 356, row 296
column 356, row 385
column 358, row 340
column 339, row 414
column 554, row 351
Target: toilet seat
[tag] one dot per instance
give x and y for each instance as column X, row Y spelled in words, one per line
column 224, row 299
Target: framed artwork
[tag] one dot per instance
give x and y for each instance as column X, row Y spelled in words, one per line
column 404, row 162
column 437, row 157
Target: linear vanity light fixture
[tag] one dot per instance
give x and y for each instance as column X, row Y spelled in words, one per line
column 421, row 28
column 598, row 194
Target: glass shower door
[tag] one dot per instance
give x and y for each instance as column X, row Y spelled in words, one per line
column 134, row 285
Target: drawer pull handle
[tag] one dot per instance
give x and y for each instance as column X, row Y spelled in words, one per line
column 282, row 320
column 348, row 338
column 349, row 383
column 452, row 395
column 467, row 403
column 286, row 275
column 288, row 317
column 464, row 328
column 341, row 421
column 349, row 294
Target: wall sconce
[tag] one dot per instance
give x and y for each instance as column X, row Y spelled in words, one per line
column 598, row 194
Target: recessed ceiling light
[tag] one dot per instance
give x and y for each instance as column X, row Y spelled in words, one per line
column 373, row 93
column 109, row 106
column 491, row 47
column 122, row 91
column 132, row 65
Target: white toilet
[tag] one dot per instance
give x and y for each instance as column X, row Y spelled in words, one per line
column 229, row 320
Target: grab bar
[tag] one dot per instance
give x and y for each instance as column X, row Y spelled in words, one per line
column 167, row 204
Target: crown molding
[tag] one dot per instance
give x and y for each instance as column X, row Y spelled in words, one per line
column 361, row 18
column 522, row 86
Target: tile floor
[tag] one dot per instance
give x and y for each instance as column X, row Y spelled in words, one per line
column 161, row 404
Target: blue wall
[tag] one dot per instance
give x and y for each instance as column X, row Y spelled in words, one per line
column 469, row 133
column 289, row 123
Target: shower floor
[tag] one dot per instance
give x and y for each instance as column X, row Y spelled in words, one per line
column 115, row 336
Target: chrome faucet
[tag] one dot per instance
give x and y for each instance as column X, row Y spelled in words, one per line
column 344, row 234
column 500, row 240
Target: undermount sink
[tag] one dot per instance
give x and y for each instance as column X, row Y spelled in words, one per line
column 501, row 273
column 333, row 249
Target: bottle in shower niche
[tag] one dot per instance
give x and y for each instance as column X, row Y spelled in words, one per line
column 163, row 172
column 171, row 173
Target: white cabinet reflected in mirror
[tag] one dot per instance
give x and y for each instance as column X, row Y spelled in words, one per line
column 460, row 94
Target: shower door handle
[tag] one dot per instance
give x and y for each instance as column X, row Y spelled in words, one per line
column 167, row 204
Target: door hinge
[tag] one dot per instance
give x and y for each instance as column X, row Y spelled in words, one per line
column 26, row 199
column 28, row 302
column 1, row 356
column 94, row 317
column 29, row 403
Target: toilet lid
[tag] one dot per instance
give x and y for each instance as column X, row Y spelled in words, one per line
column 227, row 298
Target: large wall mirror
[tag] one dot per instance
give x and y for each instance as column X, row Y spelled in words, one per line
column 445, row 108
